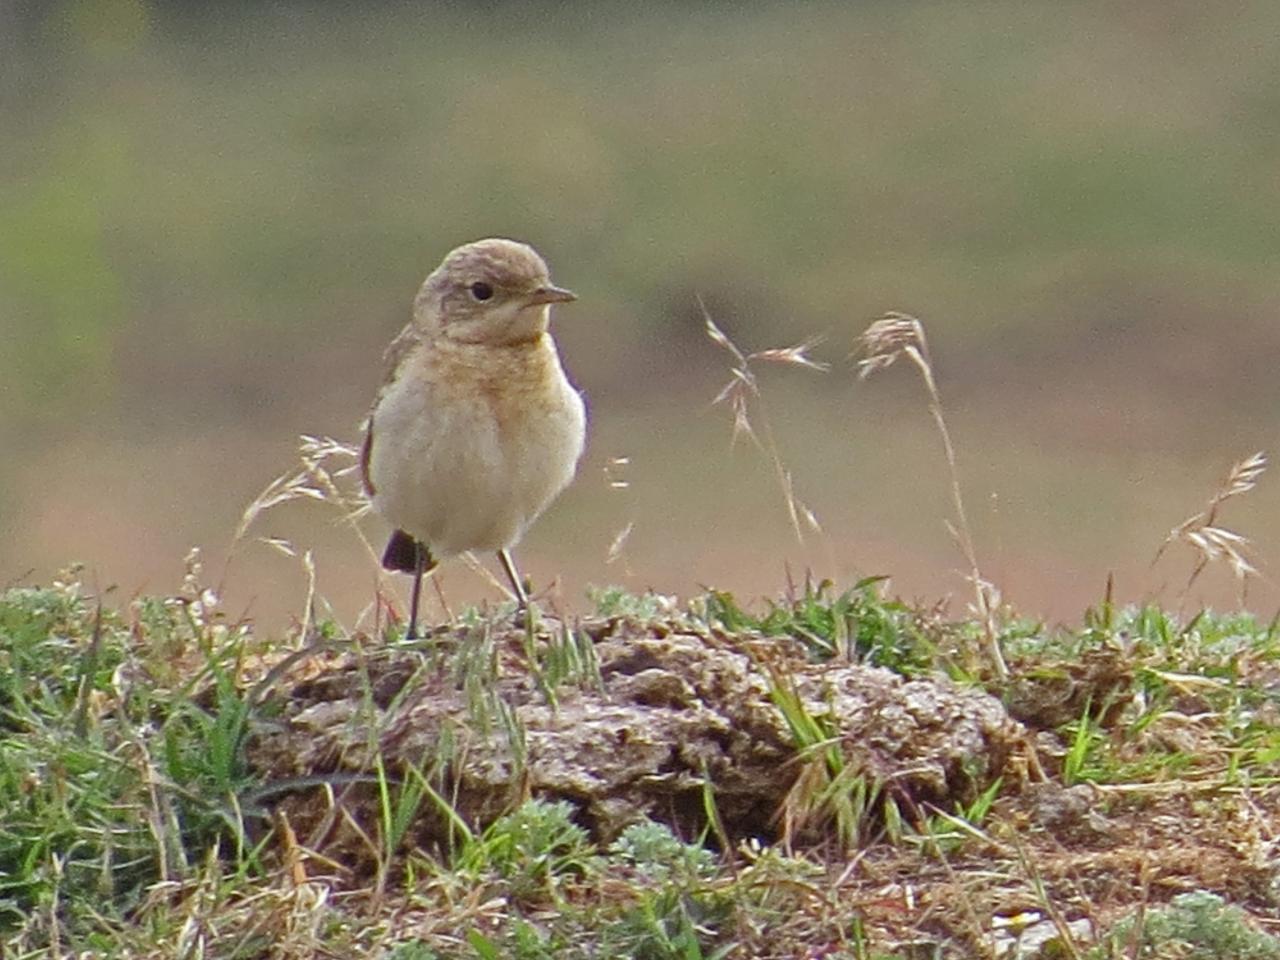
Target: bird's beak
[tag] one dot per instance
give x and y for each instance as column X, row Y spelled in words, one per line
column 550, row 294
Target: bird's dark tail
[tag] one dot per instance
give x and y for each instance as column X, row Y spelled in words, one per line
column 402, row 554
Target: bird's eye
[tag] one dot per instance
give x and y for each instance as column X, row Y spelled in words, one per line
column 481, row 290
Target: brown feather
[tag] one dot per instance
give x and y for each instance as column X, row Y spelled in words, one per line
column 366, row 452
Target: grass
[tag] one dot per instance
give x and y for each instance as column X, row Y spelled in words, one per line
column 897, row 335
column 137, row 821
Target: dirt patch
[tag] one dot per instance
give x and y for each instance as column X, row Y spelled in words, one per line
column 654, row 721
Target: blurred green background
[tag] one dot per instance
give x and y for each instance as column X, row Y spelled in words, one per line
column 213, row 218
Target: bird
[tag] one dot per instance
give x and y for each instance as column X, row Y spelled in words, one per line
column 476, row 428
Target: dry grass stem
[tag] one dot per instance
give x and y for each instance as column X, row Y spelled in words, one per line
column 899, row 335
column 328, row 473
column 743, row 397
column 617, row 546
column 615, row 470
column 316, row 480
column 1213, row 543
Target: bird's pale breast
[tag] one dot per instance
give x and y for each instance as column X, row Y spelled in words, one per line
column 471, row 442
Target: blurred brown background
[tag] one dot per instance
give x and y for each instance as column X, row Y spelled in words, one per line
column 213, row 219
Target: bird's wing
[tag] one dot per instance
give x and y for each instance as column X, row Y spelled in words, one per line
column 396, row 351
column 366, row 451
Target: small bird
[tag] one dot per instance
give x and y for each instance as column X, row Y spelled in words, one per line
column 476, row 428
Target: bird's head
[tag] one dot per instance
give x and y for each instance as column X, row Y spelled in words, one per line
column 492, row 292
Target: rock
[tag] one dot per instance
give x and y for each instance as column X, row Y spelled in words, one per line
column 673, row 715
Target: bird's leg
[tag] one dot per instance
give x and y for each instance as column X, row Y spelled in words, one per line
column 420, row 567
column 513, row 575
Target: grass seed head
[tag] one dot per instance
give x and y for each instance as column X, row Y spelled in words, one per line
column 1212, row 542
column 892, row 336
